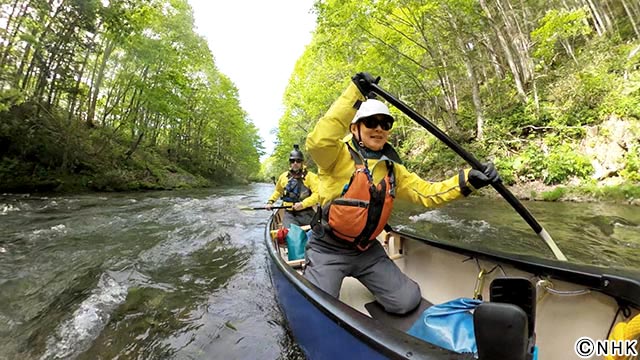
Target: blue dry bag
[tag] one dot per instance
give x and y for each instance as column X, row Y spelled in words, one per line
column 296, row 242
column 448, row 325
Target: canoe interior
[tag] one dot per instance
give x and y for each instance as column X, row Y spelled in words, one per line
column 572, row 301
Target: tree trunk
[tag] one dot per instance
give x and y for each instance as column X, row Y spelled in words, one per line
column 11, row 38
column 76, row 88
column 134, row 146
column 507, row 53
column 567, row 47
column 493, row 57
column 121, row 93
column 519, row 40
column 95, row 88
column 19, row 72
column 471, row 74
column 606, row 11
column 597, row 20
column 632, row 19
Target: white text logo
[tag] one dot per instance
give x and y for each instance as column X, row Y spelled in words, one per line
column 586, row 347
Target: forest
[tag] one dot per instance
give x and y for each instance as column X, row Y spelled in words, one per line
column 115, row 95
column 125, row 95
column 548, row 90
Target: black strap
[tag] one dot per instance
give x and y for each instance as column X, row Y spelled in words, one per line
column 357, row 158
column 392, row 179
column 376, row 203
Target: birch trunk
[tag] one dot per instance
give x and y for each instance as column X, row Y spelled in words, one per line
column 507, row 52
column 632, row 19
column 471, row 75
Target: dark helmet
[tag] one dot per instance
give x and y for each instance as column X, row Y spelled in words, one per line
column 296, row 154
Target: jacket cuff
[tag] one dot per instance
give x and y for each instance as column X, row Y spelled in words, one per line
column 465, row 187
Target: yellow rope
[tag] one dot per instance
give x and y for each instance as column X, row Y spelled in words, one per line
column 625, row 331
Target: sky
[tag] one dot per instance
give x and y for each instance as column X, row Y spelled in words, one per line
column 256, row 43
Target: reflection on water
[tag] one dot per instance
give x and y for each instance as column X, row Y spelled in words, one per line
column 184, row 274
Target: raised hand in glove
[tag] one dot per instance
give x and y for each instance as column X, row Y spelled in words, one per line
column 479, row 179
column 363, row 81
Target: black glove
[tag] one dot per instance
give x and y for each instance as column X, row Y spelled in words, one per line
column 479, row 179
column 363, row 81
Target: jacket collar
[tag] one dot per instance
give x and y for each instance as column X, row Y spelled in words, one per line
column 387, row 152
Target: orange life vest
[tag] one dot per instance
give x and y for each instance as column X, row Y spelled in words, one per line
column 360, row 214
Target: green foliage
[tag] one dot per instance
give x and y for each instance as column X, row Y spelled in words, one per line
column 631, row 171
column 430, row 54
column 45, row 153
column 587, row 94
column 433, row 162
column 559, row 27
column 554, row 194
column 507, row 170
column 10, row 97
column 563, row 162
column 131, row 87
column 576, row 98
column 625, row 191
column 559, row 164
column 530, row 164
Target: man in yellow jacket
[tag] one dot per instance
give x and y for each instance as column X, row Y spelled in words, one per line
column 360, row 177
column 298, row 188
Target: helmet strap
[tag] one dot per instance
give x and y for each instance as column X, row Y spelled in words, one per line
column 360, row 136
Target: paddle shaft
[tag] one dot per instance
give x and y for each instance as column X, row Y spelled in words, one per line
column 272, row 208
column 476, row 164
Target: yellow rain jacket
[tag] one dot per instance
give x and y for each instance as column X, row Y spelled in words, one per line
column 329, row 151
column 310, row 181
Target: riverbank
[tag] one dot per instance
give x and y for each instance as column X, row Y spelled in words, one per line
column 140, row 172
column 620, row 192
column 44, row 150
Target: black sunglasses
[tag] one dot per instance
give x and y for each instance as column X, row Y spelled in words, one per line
column 291, row 161
column 372, row 122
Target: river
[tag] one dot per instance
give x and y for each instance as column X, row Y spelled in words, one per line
column 184, row 274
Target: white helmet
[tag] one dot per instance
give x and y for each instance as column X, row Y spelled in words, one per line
column 371, row 107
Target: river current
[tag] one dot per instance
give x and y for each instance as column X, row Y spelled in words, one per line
column 185, row 275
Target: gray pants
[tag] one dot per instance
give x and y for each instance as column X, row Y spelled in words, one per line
column 300, row 218
column 328, row 262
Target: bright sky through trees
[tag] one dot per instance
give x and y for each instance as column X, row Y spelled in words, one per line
column 256, row 43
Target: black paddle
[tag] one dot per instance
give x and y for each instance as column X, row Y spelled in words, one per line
column 265, row 208
column 471, row 160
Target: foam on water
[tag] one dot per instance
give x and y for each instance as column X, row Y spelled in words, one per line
column 7, row 208
column 434, row 216
column 438, row 217
column 77, row 333
column 53, row 231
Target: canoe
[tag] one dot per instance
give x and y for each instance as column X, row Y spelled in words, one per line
column 562, row 302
